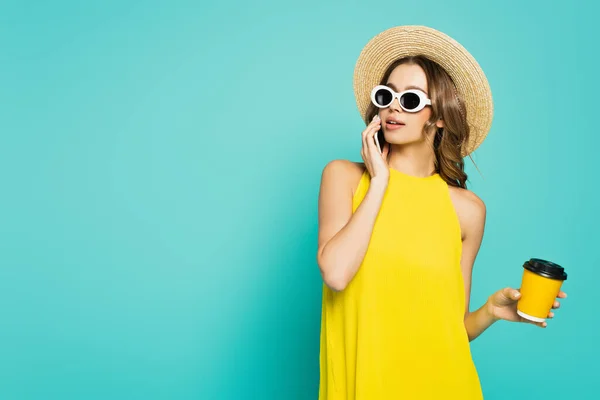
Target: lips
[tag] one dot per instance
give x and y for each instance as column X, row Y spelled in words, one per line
column 399, row 122
column 391, row 127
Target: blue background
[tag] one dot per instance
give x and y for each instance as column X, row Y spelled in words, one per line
column 160, row 165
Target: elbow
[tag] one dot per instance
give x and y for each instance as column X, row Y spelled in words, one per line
column 337, row 285
column 334, row 280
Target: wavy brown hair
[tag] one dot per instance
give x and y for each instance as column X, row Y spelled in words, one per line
column 446, row 104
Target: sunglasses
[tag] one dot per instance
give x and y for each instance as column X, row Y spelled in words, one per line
column 411, row 100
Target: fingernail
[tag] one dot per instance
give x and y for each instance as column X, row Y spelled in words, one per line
column 376, row 116
column 517, row 294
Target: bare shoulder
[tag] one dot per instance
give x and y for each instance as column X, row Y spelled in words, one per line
column 339, row 181
column 466, row 198
column 470, row 209
column 347, row 171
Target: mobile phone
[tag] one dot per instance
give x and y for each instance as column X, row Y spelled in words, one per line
column 380, row 140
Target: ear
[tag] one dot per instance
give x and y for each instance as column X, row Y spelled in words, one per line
column 439, row 123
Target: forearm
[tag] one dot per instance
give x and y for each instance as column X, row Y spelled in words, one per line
column 478, row 321
column 342, row 255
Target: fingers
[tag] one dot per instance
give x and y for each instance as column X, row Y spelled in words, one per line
column 367, row 130
column 510, row 293
column 540, row 324
column 385, row 151
column 561, row 295
column 374, row 122
column 367, row 134
column 375, row 126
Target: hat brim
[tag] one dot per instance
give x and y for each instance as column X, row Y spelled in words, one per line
column 409, row 40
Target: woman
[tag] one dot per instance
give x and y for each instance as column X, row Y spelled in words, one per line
column 399, row 233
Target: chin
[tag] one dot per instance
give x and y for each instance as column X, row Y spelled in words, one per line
column 401, row 137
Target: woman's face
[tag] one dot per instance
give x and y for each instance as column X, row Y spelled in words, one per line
column 405, row 76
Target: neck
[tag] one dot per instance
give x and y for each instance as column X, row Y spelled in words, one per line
column 412, row 160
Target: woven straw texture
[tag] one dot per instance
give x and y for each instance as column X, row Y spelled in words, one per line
column 401, row 41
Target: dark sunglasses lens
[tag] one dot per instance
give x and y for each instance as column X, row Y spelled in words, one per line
column 410, row 101
column 383, row 97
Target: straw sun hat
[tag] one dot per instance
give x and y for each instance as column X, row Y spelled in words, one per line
column 408, row 40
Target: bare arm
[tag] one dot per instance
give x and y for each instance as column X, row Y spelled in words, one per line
column 472, row 212
column 502, row 305
column 343, row 236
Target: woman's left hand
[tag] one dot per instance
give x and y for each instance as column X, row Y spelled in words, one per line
column 503, row 305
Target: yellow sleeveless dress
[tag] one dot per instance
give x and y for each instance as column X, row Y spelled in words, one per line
column 397, row 330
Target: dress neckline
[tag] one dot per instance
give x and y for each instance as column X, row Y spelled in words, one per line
column 401, row 174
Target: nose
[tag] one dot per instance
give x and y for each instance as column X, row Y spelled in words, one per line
column 395, row 106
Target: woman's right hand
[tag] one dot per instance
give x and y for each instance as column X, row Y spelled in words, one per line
column 375, row 162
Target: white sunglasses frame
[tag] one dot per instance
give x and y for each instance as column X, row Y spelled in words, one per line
column 424, row 101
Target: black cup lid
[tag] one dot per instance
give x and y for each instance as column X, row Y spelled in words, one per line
column 546, row 268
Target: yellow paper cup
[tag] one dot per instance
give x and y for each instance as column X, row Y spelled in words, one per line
column 539, row 287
